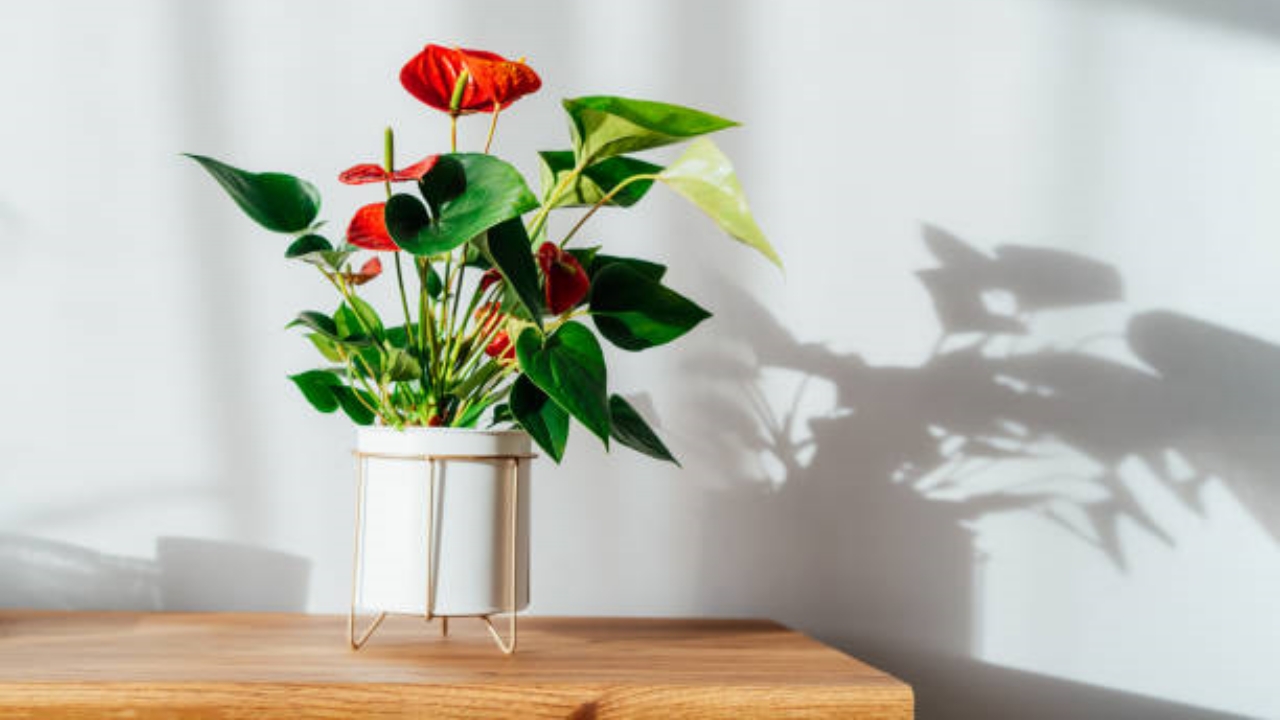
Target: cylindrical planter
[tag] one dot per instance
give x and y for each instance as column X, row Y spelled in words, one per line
column 459, row 560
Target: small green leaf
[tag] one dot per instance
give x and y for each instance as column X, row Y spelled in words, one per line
column 316, row 250
column 507, row 246
column 635, row 312
column 350, row 401
column 604, row 126
column 317, row 321
column 357, row 319
column 327, row 347
column 307, row 245
column 399, row 337
column 630, row 429
column 325, row 325
column 545, row 421
column 399, row 366
column 278, row 202
column 495, row 192
column 704, row 176
column 319, row 388
column 596, row 181
column 569, row 367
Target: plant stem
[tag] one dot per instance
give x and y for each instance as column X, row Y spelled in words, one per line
column 352, row 372
column 392, row 413
column 388, row 164
column 602, row 202
column 493, row 125
column 540, row 219
column 454, row 328
column 404, row 305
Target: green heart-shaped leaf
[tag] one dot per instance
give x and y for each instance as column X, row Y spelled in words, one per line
column 635, row 312
column 569, row 367
column 631, row 430
column 705, row 177
column 278, row 202
column 604, row 125
column 545, row 421
column 494, row 192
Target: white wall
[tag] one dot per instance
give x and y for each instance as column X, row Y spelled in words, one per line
column 1080, row 520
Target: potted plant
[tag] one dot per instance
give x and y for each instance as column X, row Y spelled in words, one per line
column 498, row 326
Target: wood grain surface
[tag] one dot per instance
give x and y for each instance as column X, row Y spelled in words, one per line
column 223, row 665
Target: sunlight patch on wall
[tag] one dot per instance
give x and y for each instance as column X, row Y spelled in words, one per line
column 1162, row 617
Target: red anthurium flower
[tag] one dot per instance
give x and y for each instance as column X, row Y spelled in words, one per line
column 432, row 74
column 567, row 282
column 365, row 173
column 489, row 277
column 368, row 271
column 368, row 229
column 501, row 348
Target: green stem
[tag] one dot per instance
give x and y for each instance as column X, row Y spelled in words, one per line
column 442, row 328
column 353, row 373
column 490, row 387
column 392, row 412
column 540, row 219
column 425, row 329
column 493, row 125
column 389, row 164
column 454, row 328
column 404, row 305
column 602, row 202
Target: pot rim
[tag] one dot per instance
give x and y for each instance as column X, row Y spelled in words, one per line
column 420, row 430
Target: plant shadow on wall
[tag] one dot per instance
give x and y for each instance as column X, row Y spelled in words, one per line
column 867, row 507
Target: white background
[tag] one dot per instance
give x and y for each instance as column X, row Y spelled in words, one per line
column 1077, row 521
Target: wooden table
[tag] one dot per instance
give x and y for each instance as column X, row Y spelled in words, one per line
column 281, row 665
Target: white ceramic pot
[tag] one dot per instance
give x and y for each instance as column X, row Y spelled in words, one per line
column 471, row 562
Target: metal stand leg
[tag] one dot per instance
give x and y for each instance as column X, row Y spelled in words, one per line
column 356, row 644
column 352, row 640
column 508, row 646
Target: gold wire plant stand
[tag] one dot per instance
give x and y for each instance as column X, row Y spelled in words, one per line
column 512, row 510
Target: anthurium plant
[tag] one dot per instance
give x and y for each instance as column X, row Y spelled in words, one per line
column 498, row 321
